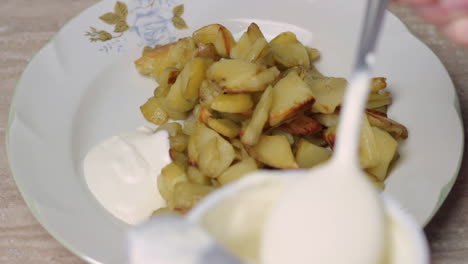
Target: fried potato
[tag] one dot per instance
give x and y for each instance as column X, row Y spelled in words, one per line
column 154, row 112
column 179, row 142
column 207, row 51
column 232, row 103
column 303, row 125
column 314, row 54
column 168, row 76
column 309, row 155
column 208, row 91
column 206, row 34
column 259, row 118
column 328, row 93
column 224, row 42
column 237, row 171
column 396, row 129
column 172, row 128
column 224, row 127
column 275, row 152
column 196, row 71
column 187, row 194
column 290, row 54
column 195, row 176
column 329, row 135
column 368, row 150
column 209, row 151
column 327, row 120
column 170, row 176
column 285, row 37
column 147, row 63
column 386, row 147
column 179, row 157
column 291, row 96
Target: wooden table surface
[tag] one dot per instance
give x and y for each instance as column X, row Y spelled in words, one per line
column 26, row 26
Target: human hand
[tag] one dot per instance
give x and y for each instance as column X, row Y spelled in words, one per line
column 451, row 16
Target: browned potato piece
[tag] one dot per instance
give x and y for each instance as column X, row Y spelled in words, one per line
column 168, row 76
column 154, row 112
column 289, row 136
column 203, row 115
column 386, row 146
column 170, row 176
column 303, row 125
column 290, row 54
column 187, row 194
column 329, row 135
column 232, row 103
column 209, row 151
column 196, row 71
column 309, row 155
column 224, row 42
column 378, row 84
column 195, row 176
column 230, row 74
column 147, row 63
column 206, row 34
column 328, row 93
column 259, row 118
column 254, row 32
column 285, row 37
column 291, row 96
column 237, row 170
column 396, row 129
column 224, row 127
column 239, row 76
column 207, row 51
column 275, row 152
column 175, row 100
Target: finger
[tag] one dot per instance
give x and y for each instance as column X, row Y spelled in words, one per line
column 457, row 31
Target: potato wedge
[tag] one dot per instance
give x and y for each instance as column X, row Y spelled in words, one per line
column 237, row 171
column 149, row 61
column 154, row 112
column 377, row 100
column 309, row 155
column 368, row 150
column 224, row 42
column 196, row 69
column 386, row 146
column 206, row 34
column 207, row 51
column 168, row 76
column 254, row 32
column 210, row 152
column 170, row 176
column 285, row 37
column 290, row 54
column 396, row 129
column 303, row 125
column 187, row 194
column 179, row 142
column 232, row 103
column 314, row 54
column 275, row 152
column 225, row 127
column 172, row 128
column 259, row 118
column 291, row 96
column 175, row 100
column 328, row 93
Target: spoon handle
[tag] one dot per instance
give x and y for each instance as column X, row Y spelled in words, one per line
column 356, row 95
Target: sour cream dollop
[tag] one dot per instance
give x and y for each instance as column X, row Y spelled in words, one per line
column 121, row 172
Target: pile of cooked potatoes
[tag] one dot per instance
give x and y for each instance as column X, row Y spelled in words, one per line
column 251, row 104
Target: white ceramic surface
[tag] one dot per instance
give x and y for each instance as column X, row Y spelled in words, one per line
column 75, row 93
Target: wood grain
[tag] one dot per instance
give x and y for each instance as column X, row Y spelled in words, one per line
column 26, row 26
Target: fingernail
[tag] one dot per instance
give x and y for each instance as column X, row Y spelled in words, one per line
column 457, row 31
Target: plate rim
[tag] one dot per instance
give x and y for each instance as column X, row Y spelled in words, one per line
column 446, row 189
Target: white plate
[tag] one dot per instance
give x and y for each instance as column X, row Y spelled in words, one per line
column 75, row 93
